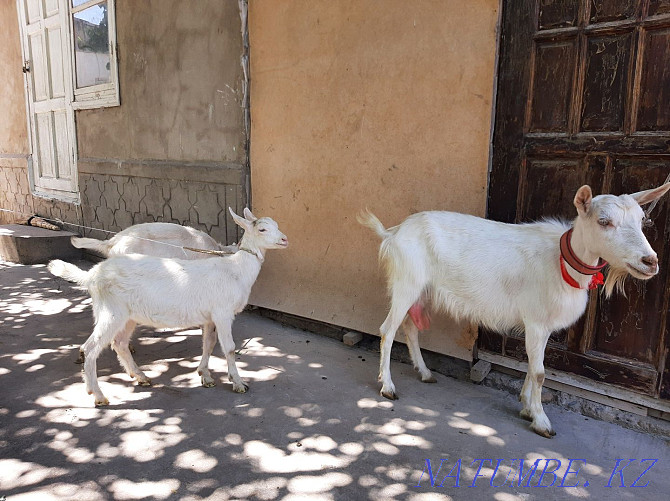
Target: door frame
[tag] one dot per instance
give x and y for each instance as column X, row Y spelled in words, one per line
column 71, row 133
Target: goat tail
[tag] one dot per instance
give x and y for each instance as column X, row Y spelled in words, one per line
column 101, row 246
column 367, row 218
column 68, row 271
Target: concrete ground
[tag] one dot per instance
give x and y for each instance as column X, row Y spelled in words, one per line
column 311, row 427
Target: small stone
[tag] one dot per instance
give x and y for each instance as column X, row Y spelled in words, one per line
column 352, row 338
column 479, row 371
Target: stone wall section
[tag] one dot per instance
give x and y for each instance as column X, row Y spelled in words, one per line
column 115, row 202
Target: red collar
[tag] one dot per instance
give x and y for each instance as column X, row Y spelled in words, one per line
column 568, row 256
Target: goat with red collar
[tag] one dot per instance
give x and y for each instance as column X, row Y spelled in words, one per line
column 531, row 278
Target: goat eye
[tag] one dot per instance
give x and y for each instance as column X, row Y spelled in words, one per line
column 604, row 222
column 262, row 230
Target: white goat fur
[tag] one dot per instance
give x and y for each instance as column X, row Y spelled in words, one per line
column 162, row 292
column 155, row 239
column 507, row 277
column 159, row 240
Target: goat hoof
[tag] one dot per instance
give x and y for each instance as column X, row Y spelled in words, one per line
column 429, row 379
column 389, row 394
column 240, row 388
column 208, row 383
column 101, row 403
column 525, row 414
column 144, row 382
column 543, row 432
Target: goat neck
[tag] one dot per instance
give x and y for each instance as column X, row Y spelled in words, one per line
column 579, row 244
column 247, row 245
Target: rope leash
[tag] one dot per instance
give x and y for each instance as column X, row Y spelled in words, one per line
column 62, row 223
column 206, row 251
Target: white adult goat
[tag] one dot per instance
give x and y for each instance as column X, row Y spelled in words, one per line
column 162, row 292
column 155, row 239
column 159, row 240
column 508, row 277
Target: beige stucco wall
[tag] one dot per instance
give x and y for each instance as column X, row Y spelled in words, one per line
column 175, row 150
column 364, row 103
column 13, row 129
column 180, row 78
column 181, row 85
column 14, row 147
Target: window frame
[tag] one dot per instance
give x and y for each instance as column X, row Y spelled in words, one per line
column 101, row 95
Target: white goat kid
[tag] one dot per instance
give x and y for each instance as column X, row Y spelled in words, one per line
column 162, row 292
column 155, row 239
column 508, row 277
column 160, row 240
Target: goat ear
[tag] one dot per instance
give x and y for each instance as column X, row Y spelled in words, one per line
column 248, row 215
column 583, row 199
column 644, row 197
column 243, row 223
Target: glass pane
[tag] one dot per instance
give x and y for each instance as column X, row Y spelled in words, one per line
column 77, row 3
column 91, row 45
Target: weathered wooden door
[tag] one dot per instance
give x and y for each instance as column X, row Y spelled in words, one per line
column 49, row 89
column 583, row 96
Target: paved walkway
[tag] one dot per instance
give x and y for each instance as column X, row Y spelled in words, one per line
column 311, row 427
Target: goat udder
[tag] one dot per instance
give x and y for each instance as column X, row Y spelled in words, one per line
column 419, row 316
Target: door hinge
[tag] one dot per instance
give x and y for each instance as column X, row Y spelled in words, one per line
column 26, row 66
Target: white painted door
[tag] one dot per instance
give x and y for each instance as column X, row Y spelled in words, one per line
column 45, row 39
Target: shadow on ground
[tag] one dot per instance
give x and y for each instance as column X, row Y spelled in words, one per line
column 312, row 425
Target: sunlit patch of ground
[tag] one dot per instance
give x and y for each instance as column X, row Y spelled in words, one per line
column 311, row 427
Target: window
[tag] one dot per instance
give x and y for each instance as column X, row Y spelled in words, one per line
column 94, row 55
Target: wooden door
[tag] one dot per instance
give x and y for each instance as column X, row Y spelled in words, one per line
column 45, row 46
column 583, row 96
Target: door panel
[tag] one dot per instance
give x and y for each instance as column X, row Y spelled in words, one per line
column 63, row 164
column 44, row 137
column 51, row 7
column 583, row 87
column 552, row 78
column 48, row 81
column 37, row 68
column 659, row 7
column 607, row 64
column 558, row 14
column 554, row 182
column 33, row 10
column 652, row 115
column 611, row 10
column 55, row 62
